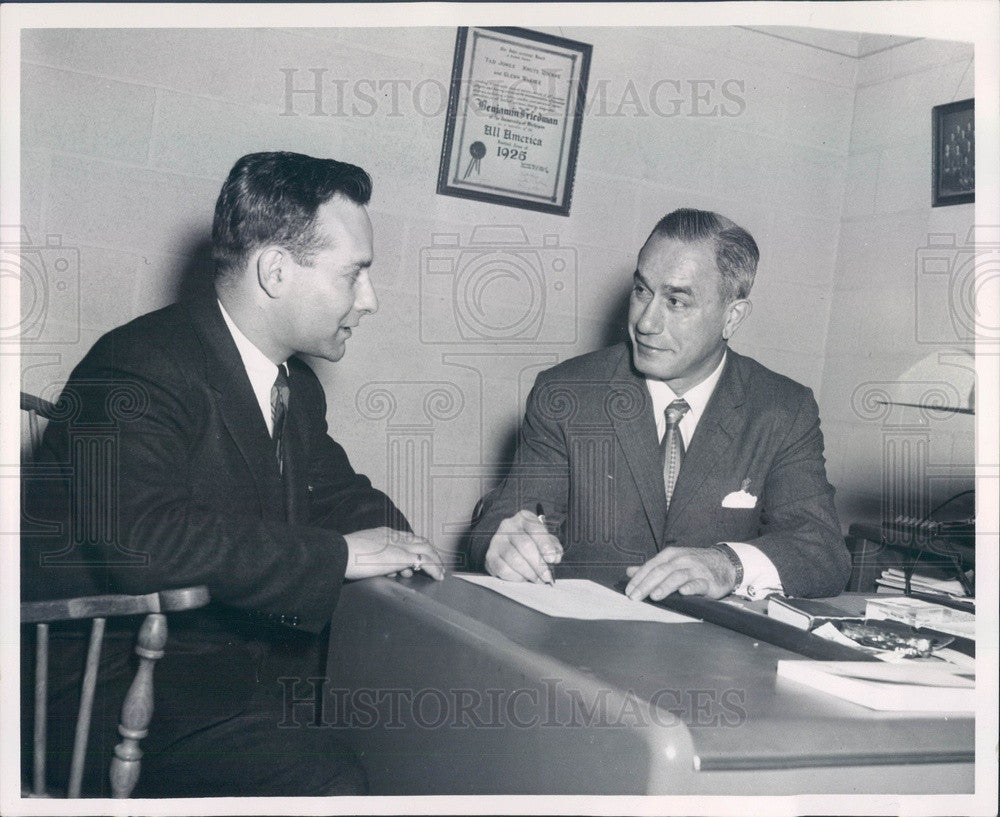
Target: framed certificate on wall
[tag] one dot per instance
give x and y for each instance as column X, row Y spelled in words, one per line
column 515, row 109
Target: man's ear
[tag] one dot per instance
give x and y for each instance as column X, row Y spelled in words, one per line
column 736, row 313
column 272, row 272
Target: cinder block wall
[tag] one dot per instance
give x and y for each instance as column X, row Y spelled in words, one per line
column 128, row 134
column 891, row 307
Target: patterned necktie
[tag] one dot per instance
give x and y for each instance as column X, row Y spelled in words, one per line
column 279, row 408
column 672, row 445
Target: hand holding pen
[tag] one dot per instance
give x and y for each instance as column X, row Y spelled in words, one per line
column 524, row 548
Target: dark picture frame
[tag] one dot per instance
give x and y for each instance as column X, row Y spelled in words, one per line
column 954, row 144
column 515, row 112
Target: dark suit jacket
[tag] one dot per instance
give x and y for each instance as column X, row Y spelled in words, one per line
column 164, row 475
column 588, row 450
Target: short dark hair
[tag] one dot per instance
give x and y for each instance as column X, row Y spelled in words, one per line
column 736, row 253
column 272, row 198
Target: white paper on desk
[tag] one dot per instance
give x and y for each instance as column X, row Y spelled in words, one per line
column 576, row 598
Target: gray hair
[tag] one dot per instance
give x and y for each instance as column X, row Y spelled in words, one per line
column 736, row 253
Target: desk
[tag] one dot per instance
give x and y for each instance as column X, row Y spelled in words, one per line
column 454, row 689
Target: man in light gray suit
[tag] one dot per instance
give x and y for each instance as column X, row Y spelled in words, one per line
column 688, row 466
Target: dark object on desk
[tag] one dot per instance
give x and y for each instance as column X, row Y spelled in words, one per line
column 891, row 636
column 805, row 614
column 808, row 614
column 758, row 626
column 887, row 628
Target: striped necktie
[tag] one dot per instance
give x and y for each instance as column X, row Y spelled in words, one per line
column 672, row 446
column 279, row 409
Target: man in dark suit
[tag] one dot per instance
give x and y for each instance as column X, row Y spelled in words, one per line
column 688, row 466
column 224, row 475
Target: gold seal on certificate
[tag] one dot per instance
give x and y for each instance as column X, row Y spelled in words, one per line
column 514, row 115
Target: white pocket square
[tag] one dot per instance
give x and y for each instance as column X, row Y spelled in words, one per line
column 739, row 499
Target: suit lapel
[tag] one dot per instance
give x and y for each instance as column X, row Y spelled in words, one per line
column 637, row 437
column 238, row 407
column 717, row 428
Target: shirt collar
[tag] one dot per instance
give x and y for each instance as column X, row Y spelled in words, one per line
column 259, row 368
column 697, row 397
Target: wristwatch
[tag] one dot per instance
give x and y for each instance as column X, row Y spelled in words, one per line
column 730, row 554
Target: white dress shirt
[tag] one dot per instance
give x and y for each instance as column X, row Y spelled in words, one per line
column 760, row 576
column 261, row 371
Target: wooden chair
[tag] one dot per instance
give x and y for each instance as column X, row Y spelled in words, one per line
column 137, row 709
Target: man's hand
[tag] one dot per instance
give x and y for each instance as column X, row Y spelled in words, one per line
column 688, row 571
column 522, row 549
column 385, row 551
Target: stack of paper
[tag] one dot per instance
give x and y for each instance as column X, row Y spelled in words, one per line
column 904, row 687
column 895, row 580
